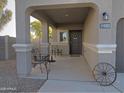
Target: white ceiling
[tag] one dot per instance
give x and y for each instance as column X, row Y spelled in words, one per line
column 66, row 15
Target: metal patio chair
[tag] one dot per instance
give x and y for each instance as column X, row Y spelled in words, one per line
column 39, row 59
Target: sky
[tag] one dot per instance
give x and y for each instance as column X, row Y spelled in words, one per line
column 10, row 28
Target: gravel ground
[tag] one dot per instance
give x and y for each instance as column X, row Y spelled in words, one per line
column 10, row 83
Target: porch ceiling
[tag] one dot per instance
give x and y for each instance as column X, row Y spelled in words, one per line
column 65, row 15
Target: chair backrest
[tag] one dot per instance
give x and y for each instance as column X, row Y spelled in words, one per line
column 35, row 54
column 35, row 58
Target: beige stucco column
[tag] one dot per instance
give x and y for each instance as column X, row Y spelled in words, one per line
column 45, row 38
column 54, row 34
column 23, row 46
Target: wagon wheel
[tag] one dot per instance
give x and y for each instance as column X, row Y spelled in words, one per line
column 104, row 74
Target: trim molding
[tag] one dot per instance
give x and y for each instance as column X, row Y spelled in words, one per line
column 60, row 43
column 22, row 47
column 101, row 48
column 44, row 45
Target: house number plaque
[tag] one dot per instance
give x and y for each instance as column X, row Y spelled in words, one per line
column 105, row 25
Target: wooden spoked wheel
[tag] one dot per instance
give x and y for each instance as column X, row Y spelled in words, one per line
column 104, row 74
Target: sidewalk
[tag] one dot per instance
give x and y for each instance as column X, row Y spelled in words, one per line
column 119, row 83
column 57, row 86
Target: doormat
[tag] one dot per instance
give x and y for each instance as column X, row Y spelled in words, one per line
column 75, row 55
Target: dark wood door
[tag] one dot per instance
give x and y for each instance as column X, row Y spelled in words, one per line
column 75, row 41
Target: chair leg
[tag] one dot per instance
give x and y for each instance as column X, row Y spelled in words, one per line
column 41, row 69
column 46, row 69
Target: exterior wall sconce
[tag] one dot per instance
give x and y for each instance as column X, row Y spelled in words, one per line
column 105, row 16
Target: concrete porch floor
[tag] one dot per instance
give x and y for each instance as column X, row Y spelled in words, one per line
column 70, row 68
column 66, row 68
column 71, row 74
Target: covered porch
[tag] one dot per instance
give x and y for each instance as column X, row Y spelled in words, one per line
column 68, row 40
column 72, row 16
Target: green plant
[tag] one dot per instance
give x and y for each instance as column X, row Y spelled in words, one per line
column 36, row 30
column 50, row 32
column 5, row 14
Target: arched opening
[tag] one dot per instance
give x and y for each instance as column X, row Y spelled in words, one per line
column 74, row 26
column 120, row 46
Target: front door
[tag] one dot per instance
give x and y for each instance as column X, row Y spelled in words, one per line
column 75, row 42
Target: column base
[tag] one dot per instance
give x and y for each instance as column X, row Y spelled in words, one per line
column 23, row 59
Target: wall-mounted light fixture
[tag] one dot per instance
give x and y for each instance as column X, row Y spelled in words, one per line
column 105, row 16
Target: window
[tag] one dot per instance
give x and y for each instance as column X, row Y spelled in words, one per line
column 63, row 36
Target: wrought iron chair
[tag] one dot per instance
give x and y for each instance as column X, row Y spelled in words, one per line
column 39, row 59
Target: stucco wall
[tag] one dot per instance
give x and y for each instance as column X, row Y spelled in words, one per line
column 101, row 5
column 90, row 38
column 56, row 36
column 11, row 51
column 56, row 44
column 2, row 48
column 70, row 27
column 90, row 33
column 100, row 42
column 64, row 47
column 117, row 14
column 6, row 49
